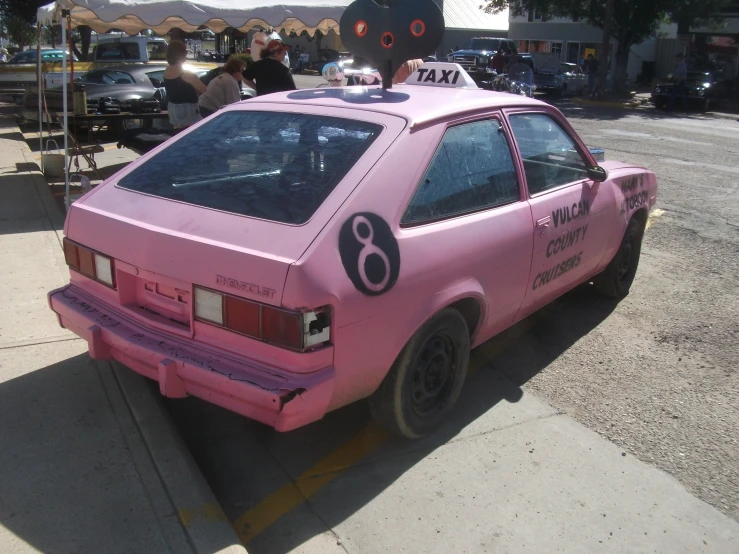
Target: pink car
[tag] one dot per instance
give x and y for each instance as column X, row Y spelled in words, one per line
column 301, row 251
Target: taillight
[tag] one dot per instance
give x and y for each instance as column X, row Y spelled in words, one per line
column 90, row 263
column 295, row 330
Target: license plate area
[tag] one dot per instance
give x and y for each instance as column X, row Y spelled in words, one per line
column 160, row 300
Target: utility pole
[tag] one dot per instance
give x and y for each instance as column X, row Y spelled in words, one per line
column 605, row 46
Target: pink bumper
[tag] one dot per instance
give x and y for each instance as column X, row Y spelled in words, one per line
column 277, row 398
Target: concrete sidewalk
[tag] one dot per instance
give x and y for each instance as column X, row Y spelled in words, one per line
column 90, row 461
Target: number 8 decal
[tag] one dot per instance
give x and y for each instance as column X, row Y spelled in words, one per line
column 369, row 253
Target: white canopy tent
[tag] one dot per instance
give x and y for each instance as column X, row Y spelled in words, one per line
column 133, row 16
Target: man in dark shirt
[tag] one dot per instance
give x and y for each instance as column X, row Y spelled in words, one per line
column 269, row 74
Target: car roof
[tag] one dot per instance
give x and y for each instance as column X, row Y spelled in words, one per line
column 417, row 104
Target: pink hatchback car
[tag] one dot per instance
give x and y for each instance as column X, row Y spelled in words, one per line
column 295, row 253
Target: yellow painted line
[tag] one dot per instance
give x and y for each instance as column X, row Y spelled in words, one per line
column 292, row 495
column 278, row 504
column 250, row 524
column 207, row 512
column 656, row 213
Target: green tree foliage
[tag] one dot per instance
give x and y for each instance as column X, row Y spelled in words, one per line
column 20, row 31
column 632, row 21
column 25, row 10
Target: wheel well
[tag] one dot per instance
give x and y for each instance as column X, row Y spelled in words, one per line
column 641, row 216
column 470, row 310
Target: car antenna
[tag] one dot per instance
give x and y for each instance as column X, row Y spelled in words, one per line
column 388, row 33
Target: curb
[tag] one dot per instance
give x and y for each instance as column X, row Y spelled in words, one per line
column 187, row 509
column 198, row 512
column 629, row 105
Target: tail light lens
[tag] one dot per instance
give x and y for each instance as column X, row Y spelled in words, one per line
column 90, row 263
column 294, row 330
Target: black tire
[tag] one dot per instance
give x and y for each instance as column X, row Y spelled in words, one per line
column 659, row 103
column 584, row 90
column 615, row 281
column 426, row 379
column 705, row 105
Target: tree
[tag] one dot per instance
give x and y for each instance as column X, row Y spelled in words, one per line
column 20, row 31
column 24, row 10
column 631, row 21
column 85, row 36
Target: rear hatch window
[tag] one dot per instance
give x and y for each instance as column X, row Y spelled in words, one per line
column 275, row 166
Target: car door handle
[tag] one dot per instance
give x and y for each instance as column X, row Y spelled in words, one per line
column 543, row 222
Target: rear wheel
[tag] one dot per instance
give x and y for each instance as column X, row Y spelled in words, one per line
column 615, row 281
column 425, row 381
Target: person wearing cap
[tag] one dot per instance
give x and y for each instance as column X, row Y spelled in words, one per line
column 679, row 76
column 270, row 74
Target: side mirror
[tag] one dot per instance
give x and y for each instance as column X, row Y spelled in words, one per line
column 597, row 174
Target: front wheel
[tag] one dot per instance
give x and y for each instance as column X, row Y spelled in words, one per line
column 426, row 380
column 615, row 281
column 659, row 103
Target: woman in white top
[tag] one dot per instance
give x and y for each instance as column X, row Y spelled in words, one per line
column 224, row 89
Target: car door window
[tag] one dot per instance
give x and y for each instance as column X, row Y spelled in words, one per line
column 156, row 78
column 471, row 170
column 118, row 51
column 549, row 155
column 117, row 78
column 94, row 77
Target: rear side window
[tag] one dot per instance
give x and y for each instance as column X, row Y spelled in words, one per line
column 270, row 165
column 472, row 170
column 118, row 51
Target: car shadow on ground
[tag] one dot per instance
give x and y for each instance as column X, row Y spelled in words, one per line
column 221, row 441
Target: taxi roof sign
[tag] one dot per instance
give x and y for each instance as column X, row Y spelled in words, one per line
column 441, row 74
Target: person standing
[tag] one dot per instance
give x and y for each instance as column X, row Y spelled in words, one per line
column 499, row 62
column 182, row 88
column 729, row 74
column 679, row 77
column 593, row 67
column 269, row 74
column 224, row 89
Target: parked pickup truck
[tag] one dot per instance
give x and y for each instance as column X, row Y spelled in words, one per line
column 476, row 54
column 15, row 79
column 569, row 79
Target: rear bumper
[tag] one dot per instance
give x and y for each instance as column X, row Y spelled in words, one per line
column 182, row 368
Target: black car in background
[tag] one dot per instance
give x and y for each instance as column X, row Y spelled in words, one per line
column 704, row 90
column 122, row 83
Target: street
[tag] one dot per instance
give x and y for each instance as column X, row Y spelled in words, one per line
column 568, row 420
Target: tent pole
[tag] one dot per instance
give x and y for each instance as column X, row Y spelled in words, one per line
column 38, row 87
column 65, row 15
